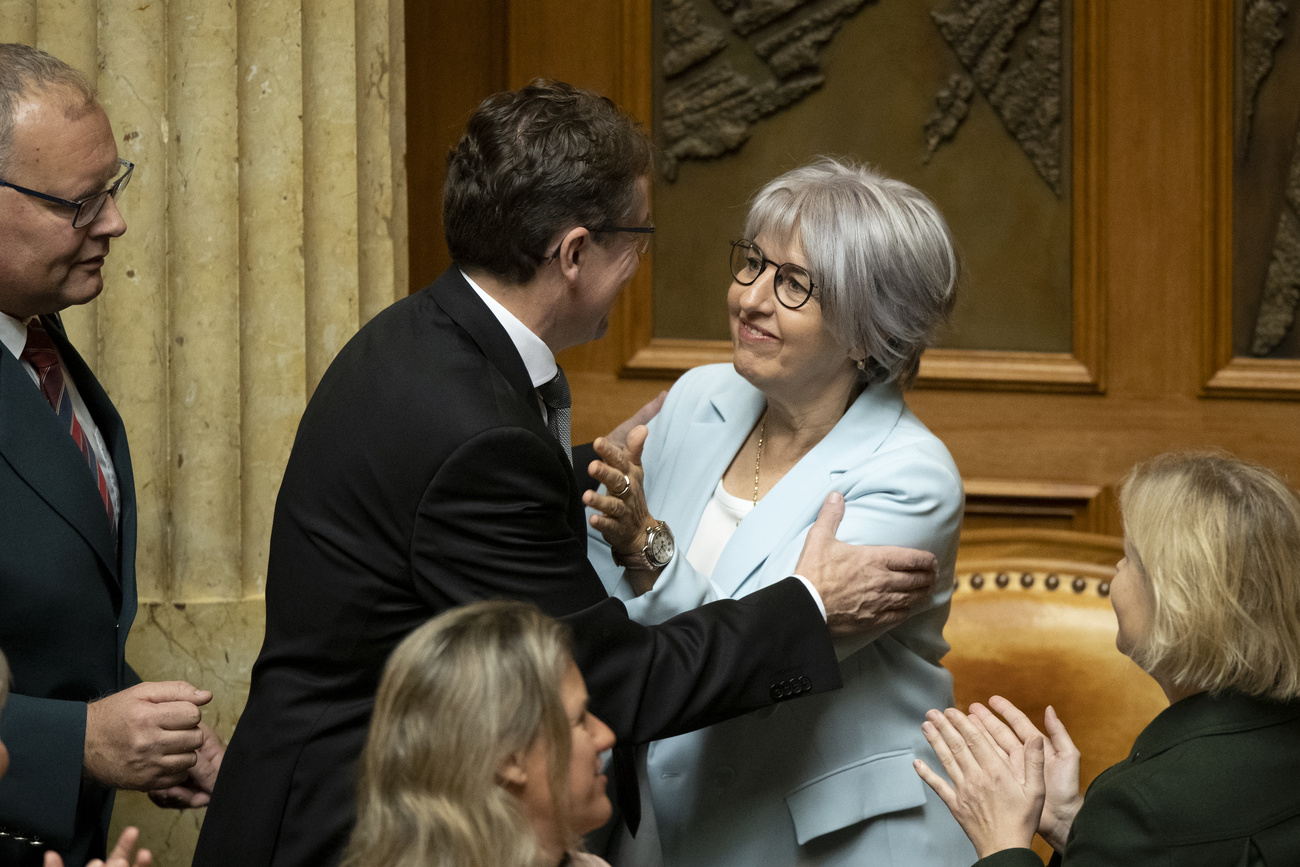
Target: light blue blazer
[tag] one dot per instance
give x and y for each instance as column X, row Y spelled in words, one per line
column 828, row 779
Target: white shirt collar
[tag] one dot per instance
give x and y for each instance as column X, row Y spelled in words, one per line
column 13, row 334
column 537, row 356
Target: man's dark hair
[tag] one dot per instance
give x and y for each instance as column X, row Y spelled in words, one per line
column 532, row 163
column 24, row 69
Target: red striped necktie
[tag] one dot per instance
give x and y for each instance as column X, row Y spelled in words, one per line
column 41, row 354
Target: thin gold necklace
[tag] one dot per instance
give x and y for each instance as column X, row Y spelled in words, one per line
column 758, row 457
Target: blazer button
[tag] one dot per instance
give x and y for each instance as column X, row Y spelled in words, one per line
column 775, row 692
column 805, row 683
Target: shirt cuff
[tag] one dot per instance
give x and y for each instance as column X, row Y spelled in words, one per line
column 817, row 597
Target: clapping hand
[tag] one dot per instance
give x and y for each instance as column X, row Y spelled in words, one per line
column 119, row 857
column 997, row 800
column 1061, row 762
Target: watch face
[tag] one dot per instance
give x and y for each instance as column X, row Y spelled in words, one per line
column 661, row 546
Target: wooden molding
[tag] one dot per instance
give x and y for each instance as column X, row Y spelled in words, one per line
column 1006, row 371
column 940, row 368
column 1032, row 548
column 1082, row 370
column 1088, row 220
column 1272, row 378
column 1225, row 374
column 1021, row 501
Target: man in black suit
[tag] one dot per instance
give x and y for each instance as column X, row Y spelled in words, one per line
column 430, row 471
column 79, row 723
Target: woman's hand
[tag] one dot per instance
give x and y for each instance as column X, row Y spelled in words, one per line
column 622, row 518
column 996, row 803
column 1061, row 765
column 121, row 856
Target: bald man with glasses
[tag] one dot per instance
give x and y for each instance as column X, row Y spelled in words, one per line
column 79, row 724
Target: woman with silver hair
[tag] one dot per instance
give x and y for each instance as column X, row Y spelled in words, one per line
column 838, row 286
column 1207, row 600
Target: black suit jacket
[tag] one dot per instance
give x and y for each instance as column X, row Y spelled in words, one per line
column 67, row 600
column 422, row 478
column 1213, row 781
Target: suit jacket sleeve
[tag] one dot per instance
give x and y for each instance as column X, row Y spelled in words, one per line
column 1011, row 858
column 46, row 738
column 500, row 519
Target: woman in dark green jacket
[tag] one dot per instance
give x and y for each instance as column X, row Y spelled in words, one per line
column 1208, row 603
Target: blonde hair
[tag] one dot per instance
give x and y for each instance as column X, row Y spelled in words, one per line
column 1218, row 541
column 460, row 695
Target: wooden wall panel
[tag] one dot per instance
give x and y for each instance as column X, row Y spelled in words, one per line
column 455, row 56
column 1148, row 373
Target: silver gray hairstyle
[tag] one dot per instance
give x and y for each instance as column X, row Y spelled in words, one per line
column 24, row 69
column 879, row 251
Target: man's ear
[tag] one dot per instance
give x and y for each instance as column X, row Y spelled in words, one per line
column 574, row 248
column 511, row 774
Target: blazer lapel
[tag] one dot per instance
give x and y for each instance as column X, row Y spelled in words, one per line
column 794, row 501
column 723, row 423
column 43, row 454
column 461, row 303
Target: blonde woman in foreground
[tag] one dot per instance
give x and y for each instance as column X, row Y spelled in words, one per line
column 1208, row 603
column 482, row 752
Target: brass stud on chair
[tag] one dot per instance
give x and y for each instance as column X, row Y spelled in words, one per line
column 1078, row 585
column 1052, row 581
column 976, row 581
column 1103, row 589
column 1026, row 580
column 1002, row 580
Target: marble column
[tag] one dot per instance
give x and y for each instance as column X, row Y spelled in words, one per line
column 266, row 223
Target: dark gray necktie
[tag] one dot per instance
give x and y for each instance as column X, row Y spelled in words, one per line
column 555, row 394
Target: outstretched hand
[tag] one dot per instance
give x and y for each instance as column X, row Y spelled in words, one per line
column 862, row 586
column 996, row 801
column 622, row 515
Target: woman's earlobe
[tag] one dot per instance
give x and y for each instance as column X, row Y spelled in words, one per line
column 511, row 774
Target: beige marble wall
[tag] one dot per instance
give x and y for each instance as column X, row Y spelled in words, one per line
column 266, row 222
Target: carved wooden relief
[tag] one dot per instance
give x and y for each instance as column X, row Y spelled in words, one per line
column 971, row 101
column 714, row 110
column 1266, row 151
column 1025, row 93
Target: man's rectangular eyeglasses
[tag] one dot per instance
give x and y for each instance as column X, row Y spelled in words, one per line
column 645, row 233
column 85, row 211
column 642, row 243
column 791, row 285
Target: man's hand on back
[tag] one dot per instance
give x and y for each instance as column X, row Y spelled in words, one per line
column 862, row 586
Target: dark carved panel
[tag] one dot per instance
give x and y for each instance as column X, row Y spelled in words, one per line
column 1277, row 307
column 748, row 89
column 1025, row 93
column 709, row 111
column 1267, row 159
column 1261, row 35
